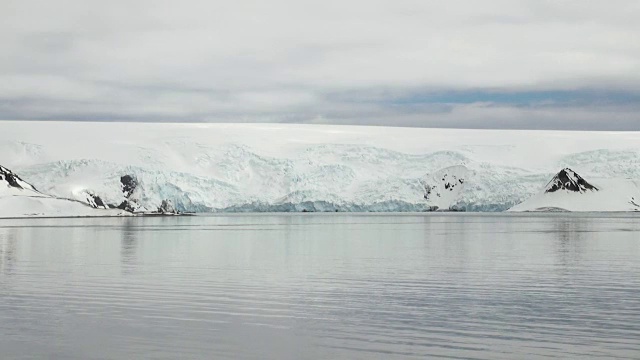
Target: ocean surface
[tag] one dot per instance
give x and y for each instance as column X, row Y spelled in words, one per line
column 322, row 286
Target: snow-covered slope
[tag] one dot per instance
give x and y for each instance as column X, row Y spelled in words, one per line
column 568, row 191
column 45, row 206
column 18, row 198
column 445, row 187
column 276, row 167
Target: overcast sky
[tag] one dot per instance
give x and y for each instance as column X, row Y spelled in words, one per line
column 558, row 64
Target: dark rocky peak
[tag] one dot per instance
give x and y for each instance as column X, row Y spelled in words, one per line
column 128, row 184
column 13, row 180
column 569, row 180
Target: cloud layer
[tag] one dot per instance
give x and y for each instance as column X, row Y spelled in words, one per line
column 515, row 64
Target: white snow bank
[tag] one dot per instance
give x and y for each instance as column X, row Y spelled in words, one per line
column 42, row 206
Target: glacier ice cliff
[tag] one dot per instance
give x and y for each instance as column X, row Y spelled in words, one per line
column 277, row 167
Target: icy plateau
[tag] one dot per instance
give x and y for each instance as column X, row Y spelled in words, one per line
column 275, row 167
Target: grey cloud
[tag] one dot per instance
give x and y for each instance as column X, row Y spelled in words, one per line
column 322, row 61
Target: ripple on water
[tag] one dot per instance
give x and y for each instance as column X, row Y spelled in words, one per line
column 294, row 287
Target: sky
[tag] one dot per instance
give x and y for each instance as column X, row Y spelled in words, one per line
column 514, row 64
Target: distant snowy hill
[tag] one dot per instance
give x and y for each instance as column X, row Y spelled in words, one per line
column 277, row 167
column 568, row 191
column 18, row 198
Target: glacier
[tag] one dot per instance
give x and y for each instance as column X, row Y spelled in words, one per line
column 286, row 167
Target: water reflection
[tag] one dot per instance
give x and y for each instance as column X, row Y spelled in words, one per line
column 321, row 286
column 8, row 251
column 128, row 246
column 570, row 244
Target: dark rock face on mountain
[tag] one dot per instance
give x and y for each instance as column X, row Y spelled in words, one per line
column 569, row 180
column 13, row 180
column 167, row 208
column 128, row 205
column 128, row 184
column 8, row 176
column 94, row 200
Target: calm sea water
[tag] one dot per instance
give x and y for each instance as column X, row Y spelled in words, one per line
column 310, row 286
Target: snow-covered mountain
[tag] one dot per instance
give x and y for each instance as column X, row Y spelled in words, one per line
column 568, row 181
column 18, row 198
column 277, row 167
column 568, row 191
